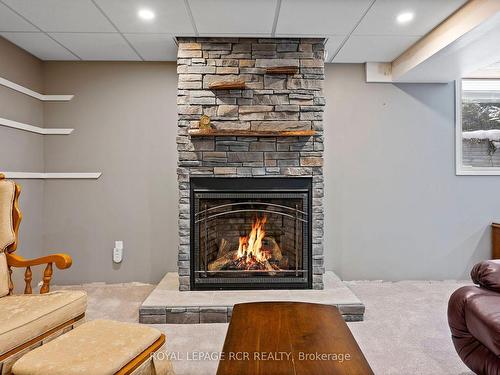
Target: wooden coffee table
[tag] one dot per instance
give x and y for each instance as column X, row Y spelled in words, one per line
column 290, row 338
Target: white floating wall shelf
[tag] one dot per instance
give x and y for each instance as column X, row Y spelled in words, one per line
column 34, row 94
column 34, row 129
column 51, row 176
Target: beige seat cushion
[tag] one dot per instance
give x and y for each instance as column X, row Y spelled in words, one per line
column 7, row 235
column 25, row 317
column 159, row 364
column 98, row 347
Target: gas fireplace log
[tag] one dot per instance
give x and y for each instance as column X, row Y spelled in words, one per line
column 283, row 263
column 274, row 247
column 227, row 259
column 223, row 248
column 217, row 264
column 269, row 268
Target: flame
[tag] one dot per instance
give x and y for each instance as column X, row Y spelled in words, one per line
column 251, row 246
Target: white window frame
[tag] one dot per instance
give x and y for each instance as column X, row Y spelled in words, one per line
column 462, row 170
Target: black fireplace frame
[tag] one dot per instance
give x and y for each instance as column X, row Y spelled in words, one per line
column 237, row 185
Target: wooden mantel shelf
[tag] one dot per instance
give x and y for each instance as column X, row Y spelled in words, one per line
column 282, row 70
column 237, row 84
column 249, row 133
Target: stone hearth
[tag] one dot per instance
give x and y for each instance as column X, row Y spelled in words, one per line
column 166, row 304
column 269, row 102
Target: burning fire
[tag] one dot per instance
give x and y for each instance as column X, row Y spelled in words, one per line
column 256, row 252
column 250, row 246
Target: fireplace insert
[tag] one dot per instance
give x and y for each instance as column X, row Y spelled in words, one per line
column 250, row 233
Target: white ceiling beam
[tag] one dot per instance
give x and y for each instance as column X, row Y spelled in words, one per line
column 465, row 20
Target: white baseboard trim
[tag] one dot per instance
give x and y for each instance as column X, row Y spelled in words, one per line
column 34, row 129
column 34, row 94
column 51, row 176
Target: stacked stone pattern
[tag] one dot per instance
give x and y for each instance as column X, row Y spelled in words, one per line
column 269, row 102
column 221, row 314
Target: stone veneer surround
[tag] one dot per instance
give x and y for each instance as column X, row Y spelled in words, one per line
column 269, row 102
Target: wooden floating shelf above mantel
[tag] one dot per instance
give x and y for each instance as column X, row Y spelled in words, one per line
column 238, row 84
column 250, row 133
column 282, row 70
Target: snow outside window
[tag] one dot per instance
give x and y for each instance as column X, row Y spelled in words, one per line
column 478, row 127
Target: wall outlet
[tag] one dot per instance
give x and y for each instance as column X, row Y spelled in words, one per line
column 118, row 252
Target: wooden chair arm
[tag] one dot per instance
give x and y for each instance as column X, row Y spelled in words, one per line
column 62, row 261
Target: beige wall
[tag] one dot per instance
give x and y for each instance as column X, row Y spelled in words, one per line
column 124, row 115
column 394, row 208
column 19, row 150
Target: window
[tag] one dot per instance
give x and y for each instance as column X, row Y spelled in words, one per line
column 478, row 127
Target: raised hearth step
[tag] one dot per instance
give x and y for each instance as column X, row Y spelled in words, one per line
column 166, row 304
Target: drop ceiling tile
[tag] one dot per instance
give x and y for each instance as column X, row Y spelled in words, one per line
column 171, row 16
column 234, row 16
column 154, row 47
column 10, row 21
column 381, row 19
column 62, row 15
column 319, row 17
column 236, row 35
column 97, row 47
column 373, row 48
column 39, row 45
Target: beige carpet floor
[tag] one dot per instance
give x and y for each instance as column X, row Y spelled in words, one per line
column 404, row 333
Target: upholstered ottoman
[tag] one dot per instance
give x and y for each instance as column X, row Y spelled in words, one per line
column 100, row 347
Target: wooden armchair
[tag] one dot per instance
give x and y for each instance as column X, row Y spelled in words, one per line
column 62, row 261
column 29, row 320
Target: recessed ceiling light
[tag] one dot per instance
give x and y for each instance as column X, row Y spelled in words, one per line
column 146, row 14
column 405, row 17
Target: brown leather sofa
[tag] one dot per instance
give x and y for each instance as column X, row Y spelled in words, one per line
column 474, row 319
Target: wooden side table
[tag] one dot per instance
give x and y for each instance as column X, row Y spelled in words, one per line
column 495, row 237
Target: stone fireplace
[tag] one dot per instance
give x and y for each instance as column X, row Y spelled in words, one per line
column 251, row 233
column 251, row 185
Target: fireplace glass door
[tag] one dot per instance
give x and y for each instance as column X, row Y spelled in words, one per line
column 255, row 236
